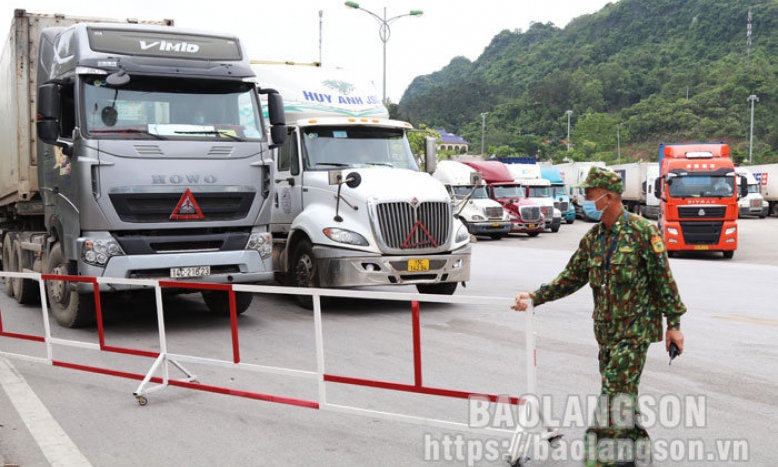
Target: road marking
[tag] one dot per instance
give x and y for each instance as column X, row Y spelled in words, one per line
column 750, row 319
column 55, row 444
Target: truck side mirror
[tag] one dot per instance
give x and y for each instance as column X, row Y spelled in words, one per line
column 47, row 122
column 430, row 154
column 743, row 186
column 658, row 188
column 275, row 113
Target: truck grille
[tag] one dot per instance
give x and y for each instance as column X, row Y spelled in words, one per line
column 530, row 213
column 701, row 211
column 494, row 212
column 563, row 206
column 157, row 207
column 701, row 233
column 405, row 227
column 547, row 211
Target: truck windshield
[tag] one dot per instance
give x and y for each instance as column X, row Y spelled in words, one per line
column 558, row 191
column 701, row 186
column 167, row 108
column 508, row 191
column 539, row 191
column 326, row 147
column 460, row 191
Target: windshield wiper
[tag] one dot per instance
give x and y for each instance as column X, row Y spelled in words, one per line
column 334, row 164
column 210, row 132
column 128, row 131
column 385, row 164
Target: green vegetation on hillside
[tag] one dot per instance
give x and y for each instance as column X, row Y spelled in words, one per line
column 634, row 74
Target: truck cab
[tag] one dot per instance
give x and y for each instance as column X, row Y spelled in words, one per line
column 472, row 204
column 559, row 193
column 537, row 189
column 753, row 204
column 525, row 214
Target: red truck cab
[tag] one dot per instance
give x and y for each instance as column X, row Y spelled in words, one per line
column 524, row 213
column 698, row 191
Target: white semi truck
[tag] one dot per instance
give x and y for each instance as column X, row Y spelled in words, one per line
column 766, row 177
column 638, row 181
column 115, row 178
column 351, row 207
column 754, row 203
column 472, row 204
column 537, row 189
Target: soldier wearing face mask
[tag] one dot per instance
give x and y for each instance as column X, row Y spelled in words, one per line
column 623, row 259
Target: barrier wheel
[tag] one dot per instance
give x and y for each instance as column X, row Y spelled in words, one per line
column 142, row 400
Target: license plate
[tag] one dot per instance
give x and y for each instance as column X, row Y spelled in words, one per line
column 190, row 271
column 418, row 265
column 531, row 226
column 495, row 224
column 700, row 247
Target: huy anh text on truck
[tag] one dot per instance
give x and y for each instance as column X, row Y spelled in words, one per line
column 698, row 192
column 149, row 159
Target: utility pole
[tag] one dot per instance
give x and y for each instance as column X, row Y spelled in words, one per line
column 752, row 98
column 483, row 130
column 569, row 112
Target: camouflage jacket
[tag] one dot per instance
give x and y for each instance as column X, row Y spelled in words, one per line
column 627, row 269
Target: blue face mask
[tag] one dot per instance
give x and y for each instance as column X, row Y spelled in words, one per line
column 590, row 208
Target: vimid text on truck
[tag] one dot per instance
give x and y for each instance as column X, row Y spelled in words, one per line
column 351, row 207
column 149, row 160
column 698, row 191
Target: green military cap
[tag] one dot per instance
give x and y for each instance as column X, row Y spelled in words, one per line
column 600, row 177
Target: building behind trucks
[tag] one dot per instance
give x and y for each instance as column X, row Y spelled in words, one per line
column 638, row 180
column 526, row 216
column 116, row 179
column 472, row 205
column 766, row 176
column 559, row 192
column 752, row 204
column 538, row 189
column 574, row 174
column 698, row 192
column 351, row 207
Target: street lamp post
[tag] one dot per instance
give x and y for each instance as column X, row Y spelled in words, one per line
column 483, row 130
column 569, row 112
column 752, row 98
column 384, row 31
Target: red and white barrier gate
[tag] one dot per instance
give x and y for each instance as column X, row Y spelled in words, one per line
column 521, row 441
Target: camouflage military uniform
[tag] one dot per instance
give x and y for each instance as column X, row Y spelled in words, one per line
column 627, row 269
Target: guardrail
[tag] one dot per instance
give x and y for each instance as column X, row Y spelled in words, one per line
column 158, row 376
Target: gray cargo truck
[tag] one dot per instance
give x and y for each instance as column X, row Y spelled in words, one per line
column 131, row 150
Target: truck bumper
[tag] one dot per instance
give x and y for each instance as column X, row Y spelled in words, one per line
column 531, row 227
column 227, row 267
column 569, row 215
column 488, row 228
column 701, row 236
column 345, row 268
column 753, row 211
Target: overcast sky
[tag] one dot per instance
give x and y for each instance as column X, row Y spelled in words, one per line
column 290, row 30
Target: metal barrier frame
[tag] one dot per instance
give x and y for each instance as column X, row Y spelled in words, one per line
column 522, row 439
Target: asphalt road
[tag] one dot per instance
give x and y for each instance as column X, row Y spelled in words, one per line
column 726, row 382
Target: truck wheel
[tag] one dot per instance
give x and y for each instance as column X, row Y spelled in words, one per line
column 26, row 291
column 219, row 301
column 533, row 234
column 304, row 272
column 69, row 309
column 569, row 221
column 8, row 264
column 442, row 288
column 496, row 236
column 728, row 254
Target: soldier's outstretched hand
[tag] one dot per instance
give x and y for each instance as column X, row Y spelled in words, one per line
column 521, row 301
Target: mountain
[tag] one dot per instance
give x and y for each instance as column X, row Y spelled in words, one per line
column 634, row 74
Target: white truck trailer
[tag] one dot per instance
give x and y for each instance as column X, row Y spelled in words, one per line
column 472, row 204
column 638, row 181
column 116, row 179
column 574, row 174
column 351, row 207
column 766, row 176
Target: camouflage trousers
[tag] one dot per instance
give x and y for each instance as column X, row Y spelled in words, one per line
column 616, row 433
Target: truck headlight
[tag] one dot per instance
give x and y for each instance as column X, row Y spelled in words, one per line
column 477, row 217
column 261, row 242
column 462, row 234
column 345, row 236
column 97, row 252
column 672, row 231
column 730, row 230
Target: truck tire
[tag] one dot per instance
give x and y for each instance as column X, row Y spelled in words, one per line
column 69, row 308
column 569, row 221
column 533, row 234
column 496, row 236
column 304, row 271
column 728, row 254
column 26, row 291
column 218, row 301
column 442, row 288
column 8, row 264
